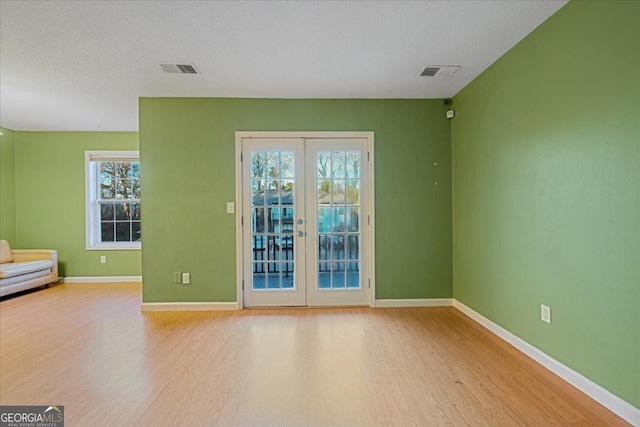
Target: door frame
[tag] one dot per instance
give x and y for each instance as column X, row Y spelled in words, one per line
column 240, row 135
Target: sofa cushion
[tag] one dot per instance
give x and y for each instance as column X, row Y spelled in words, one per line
column 17, row 280
column 5, row 252
column 19, row 268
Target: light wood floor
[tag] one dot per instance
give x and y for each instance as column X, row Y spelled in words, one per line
column 89, row 348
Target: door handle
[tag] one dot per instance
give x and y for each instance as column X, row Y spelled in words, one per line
column 300, row 233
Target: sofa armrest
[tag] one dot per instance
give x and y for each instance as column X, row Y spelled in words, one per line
column 25, row 255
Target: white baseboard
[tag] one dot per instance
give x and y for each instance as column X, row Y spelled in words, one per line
column 188, row 306
column 430, row 302
column 103, row 279
column 598, row 393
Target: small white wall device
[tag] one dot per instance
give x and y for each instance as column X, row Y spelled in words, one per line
column 450, row 114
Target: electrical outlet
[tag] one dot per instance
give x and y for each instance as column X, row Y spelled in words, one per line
column 231, row 207
column 177, row 278
column 545, row 313
column 103, row 259
column 186, row 278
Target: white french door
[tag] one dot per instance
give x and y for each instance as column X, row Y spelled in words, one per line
column 305, row 220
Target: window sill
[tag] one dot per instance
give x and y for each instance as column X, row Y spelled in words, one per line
column 115, row 247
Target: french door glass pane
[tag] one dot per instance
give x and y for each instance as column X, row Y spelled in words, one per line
column 272, row 217
column 338, row 218
column 353, row 275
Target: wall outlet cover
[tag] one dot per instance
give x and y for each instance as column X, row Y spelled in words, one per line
column 545, row 313
column 186, row 278
column 177, row 278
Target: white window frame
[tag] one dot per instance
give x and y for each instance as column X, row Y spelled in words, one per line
column 92, row 217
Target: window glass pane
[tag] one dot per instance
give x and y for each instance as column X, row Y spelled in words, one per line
column 259, row 277
column 106, row 180
column 273, row 252
column 135, row 189
column 273, row 164
column 338, row 220
column 106, row 231
column 338, row 164
column 353, row 164
column 324, row 164
column 324, row 190
column 273, row 220
column 106, row 171
column 122, row 190
column 273, row 275
column 135, row 211
column 257, row 220
column 286, row 185
column 286, row 164
column 285, row 241
column 122, row 211
column 286, row 220
column 106, row 211
column 287, row 275
column 353, row 191
column 353, row 218
column 106, row 191
column 353, row 246
column 258, row 244
column 324, row 220
column 273, row 194
column 134, row 170
column 257, row 164
column 324, row 275
column 286, row 192
column 136, row 235
column 338, row 246
column 123, row 231
column 338, row 276
column 337, row 192
column 257, row 192
column 324, row 247
column 122, row 169
column 353, row 275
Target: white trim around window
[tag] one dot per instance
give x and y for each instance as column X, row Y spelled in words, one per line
column 92, row 191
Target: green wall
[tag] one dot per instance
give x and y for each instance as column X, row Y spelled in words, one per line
column 8, row 186
column 50, row 199
column 187, row 149
column 546, row 168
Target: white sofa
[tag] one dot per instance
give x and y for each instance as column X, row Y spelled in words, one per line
column 26, row 268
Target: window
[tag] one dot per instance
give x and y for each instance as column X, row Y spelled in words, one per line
column 113, row 200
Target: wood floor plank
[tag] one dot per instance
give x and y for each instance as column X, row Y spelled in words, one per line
column 90, row 348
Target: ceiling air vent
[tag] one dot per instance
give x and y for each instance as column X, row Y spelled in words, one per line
column 441, row 71
column 178, row 68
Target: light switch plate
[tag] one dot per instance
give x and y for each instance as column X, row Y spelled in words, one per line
column 231, row 207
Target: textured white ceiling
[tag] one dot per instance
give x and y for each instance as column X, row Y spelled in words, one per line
column 81, row 65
